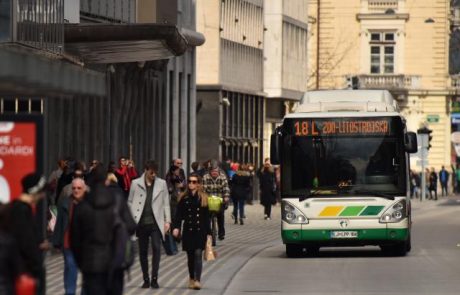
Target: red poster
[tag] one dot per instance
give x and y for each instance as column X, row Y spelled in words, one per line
column 18, row 152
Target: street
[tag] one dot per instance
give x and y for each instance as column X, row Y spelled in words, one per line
column 251, row 260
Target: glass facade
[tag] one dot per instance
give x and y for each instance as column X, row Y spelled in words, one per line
column 5, row 20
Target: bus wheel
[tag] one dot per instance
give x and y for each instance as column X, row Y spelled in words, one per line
column 408, row 244
column 293, row 250
column 399, row 249
column 312, row 251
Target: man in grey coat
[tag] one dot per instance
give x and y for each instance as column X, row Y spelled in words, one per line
column 149, row 203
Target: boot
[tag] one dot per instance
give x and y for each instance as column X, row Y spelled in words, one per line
column 197, row 285
column 154, row 283
column 241, row 221
column 236, row 221
column 191, row 283
column 146, row 284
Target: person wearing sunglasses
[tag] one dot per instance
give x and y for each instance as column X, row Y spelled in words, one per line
column 192, row 223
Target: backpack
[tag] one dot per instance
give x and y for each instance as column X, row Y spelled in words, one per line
column 123, row 246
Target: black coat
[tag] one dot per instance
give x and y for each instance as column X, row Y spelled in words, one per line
column 267, row 187
column 9, row 263
column 92, row 229
column 241, row 186
column 26, row 231
column 196, row 223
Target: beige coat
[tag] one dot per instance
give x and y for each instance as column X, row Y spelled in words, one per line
column 160, row 201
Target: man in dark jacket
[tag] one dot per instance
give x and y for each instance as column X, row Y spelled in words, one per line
column 92, row 236
column 25, row 228
column 443, row 179
column 61, row 236
column 267, row 188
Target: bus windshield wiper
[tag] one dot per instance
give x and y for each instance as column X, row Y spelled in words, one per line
column 377, row 194
column 319, row 192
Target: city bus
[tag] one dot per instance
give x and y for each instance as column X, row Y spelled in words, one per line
column 344, row 164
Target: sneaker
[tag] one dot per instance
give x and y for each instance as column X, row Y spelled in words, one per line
column 197, row 285
column 268, row 218
column 236, row 221
column 221, row 238
column 154, row 284
column 241, row 221
column 146, row 284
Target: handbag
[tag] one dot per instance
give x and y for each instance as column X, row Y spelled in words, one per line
column 209, row 253
column 25, row 285
column 169, row 244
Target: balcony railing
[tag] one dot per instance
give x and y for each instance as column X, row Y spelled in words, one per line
column 390, row 82
column 123, row 11
column 38, row 24
column 378, row 5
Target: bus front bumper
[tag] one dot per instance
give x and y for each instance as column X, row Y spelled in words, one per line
column 383, row 234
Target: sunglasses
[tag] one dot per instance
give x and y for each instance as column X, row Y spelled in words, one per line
column 193, row 181
column 77, row 187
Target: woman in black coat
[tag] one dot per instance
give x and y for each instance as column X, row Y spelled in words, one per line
column 241, row 187
column 267, row 188
column 193, row 211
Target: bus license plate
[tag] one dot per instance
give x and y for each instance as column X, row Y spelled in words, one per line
column 344, row 234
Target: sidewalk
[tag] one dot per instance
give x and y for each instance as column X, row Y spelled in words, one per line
column 241, row 243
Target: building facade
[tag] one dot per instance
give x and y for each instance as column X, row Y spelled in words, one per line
column 399, row 45
column 230, row 97
column 252, row 67
column 285, row 59
column 144, row 53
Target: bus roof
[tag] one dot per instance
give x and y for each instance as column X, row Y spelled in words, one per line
column 347, row 101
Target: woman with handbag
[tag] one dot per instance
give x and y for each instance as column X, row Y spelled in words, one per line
column 192, row 210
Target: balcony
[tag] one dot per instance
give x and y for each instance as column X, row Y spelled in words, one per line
column 389, row 82
column 382, row 5
column 37, row 24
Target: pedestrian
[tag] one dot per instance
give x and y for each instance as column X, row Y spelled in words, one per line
column 240, row 189
column 149, row 204
column 66, row 191
column 53, row 180
column 125, row 173
column 433, row 184
column 215, row 183
column 61, row 235
column 92, row 235
column 443, row 179
column 10, row 266
column 25, row 228
column 195, row 229
column 252, row 173
column 267, row 188
column 176, row 185
column 66, row 176
column 179, row 163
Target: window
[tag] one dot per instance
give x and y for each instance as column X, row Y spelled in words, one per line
column 382, row 48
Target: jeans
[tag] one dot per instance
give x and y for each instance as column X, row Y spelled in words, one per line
column 70, row 272
column 444, row 188
column 238, row 205
column 195, row 263
column 146, row 233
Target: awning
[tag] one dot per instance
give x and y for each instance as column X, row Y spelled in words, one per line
column 116, row 43
column 27, row 71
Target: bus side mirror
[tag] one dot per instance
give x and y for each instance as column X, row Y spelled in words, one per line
column 275, row 147
column 410, row 142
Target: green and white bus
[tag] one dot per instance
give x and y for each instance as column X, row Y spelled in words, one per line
column 344, row 162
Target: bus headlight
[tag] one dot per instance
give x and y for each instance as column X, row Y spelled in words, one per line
column 395, row 213
column 291, row 214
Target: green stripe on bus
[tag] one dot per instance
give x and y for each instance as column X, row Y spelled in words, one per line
column 352, row 211
column 372, row 210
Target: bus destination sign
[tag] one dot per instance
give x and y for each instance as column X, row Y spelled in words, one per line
column 346, row 126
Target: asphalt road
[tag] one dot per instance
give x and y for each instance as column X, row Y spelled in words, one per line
column 432, row 267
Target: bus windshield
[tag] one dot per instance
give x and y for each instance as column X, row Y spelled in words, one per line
column 348, row 156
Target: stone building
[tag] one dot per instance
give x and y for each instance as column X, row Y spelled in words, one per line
column 252, row 66
column 399, row 45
